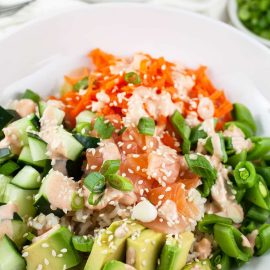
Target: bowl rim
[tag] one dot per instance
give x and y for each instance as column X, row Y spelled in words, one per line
column 149, row 5
column 232, row 11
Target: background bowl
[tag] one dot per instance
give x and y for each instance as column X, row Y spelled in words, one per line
column 232, row 10
column 40, row 53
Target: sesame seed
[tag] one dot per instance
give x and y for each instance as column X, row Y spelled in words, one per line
column 63, row 250
column 44, row 245
column 46, row 261
column 25, row 254
column 39, row 267
column 54, row 253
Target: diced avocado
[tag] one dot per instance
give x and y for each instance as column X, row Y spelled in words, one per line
column 111, row 244
column 4, row 180
column 175, row 252
column 22, row 198
column 15, row 229
column 10, row 258
column 201, row 265
column 143, row 251
column 116, row 265
column 52, row 250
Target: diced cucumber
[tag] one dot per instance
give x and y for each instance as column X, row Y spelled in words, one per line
column 26, row 158
column 85, row 117
column 5, row 117
column 9, row 168
column 5, row 154
column 27, row 178
column 41, row 107
column 10, row 258
column 23, row 126
column 43, row 206
column 4, row 180
column 22, row 198
column 87, row 141
column 29, row 94
column 72, row 148
column 38, row 147
column 15, row 229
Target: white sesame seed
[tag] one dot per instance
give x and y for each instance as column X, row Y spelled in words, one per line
column 63, row 250
column 53, row 253
column 46, row 261
column 25, row 254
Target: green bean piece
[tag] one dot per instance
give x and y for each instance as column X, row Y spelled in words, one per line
column 196, row 134
column 199, row 165
column 220, row 258
column 260, row 148
column 119, row 182
column 110, row 167
column 186, row 146
column 209, row 147
column 205, row 187
column 230, row 240
column 242, row 114
column 257, row 214
column 180, row 126
column 262, row 243
column 235, row 159
column 265, row 173
column 248, row 226
column 240, row 193
column 229, row 145
column 209, row 220
column 245, row 128
column 259, row 194
column 245, row 174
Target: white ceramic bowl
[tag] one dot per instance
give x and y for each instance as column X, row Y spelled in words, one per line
column 232, row 10
column 37, row 55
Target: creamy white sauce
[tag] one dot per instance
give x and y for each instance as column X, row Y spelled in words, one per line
column 206, row 108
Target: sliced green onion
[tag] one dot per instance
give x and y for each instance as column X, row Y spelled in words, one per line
column 147, row 126
column 119, row 182
column 209, row 220
column 132, row 77
column 121, row 131
column 82, row 84
column 180, row 126
column 221, row 259
column 83, row 128
column 258, row 214
column 94, row 199
column 240, row 193
column 235, row 159
column 229, row 145
column 77, row 202
column 245, row 174
column 262, row 243
column 199, row 165
column 259, row 194
column 95, row 182
column 242, row 114
column 110, row 167
column 104, row 130
column 29, row 94
column 205, row 187
column 82, row 243
column 230, row 241
column 5, row 117
column 30, row 236
column 248, row 226
column 196, row 134
column 209, row 147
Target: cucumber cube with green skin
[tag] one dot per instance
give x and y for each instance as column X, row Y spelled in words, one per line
column 52, row 250
column 4, row 180
column 202, row 265
column 27, row 178
column 10, row 258
column 105, row 250
column 26, row 158
column 22, row 198
column 175, row 252
column 143, row 252
column 15, row 230
column 117, row 265
column 85, row 117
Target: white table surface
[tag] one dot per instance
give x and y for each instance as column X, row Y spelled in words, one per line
column 40, row 8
